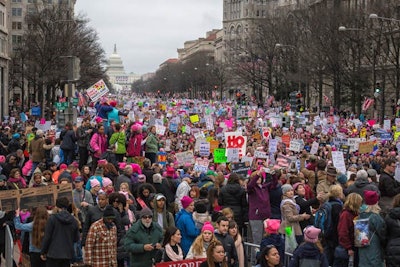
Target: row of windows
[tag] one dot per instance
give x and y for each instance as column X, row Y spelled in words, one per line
column 16, row 12
column 35, row 1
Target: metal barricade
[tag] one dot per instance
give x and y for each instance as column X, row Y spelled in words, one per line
column 251, row 251
column 9, row 248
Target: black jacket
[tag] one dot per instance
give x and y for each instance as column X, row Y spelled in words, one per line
column 388, row 186
column 308, row 251
column 234, row 197
column 332, row 238
column 392, row 221
column 361, row 185
column 229, row 246
column 305, row 207
column 60, row 234
column 68, row 139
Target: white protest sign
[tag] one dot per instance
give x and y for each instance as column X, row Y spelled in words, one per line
column 185, row 157
column 199, row 134
column 232, row 154
column 314, row 148
column 397, row 172
column 44, row 127
column 247, row 159
column 209, row 122
column 353, row 143
column 97, row 90
column 338, row 161
column 204, row 149
column 236, row 140
column 386, row 125
column 199, row 141
column 160, row 129
column 295, row 145
column 273, row 145
column 260, row 154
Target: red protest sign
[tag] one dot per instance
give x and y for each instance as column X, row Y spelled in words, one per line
column 184, row 263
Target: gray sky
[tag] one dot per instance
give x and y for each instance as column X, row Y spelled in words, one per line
column 148, row 32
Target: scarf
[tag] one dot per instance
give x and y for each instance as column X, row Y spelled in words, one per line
column 18, row 181
column 171, row 253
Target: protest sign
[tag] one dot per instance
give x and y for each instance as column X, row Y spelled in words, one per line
column 173, row 127
column 241, row 168
column 213, row 145
column 338, row 161
column 314, row 148
column 286, row 139
column 185, row 157
column 194, row 118
column 162, row 158
column 201, row 165
column 248, row 160
column 183, row 263
column 346, row 150
column 219, row 155
column 43, row 126
column 232, row 154
column 296, row 145
column 282, row 161
column 265, row 133
column 273, row 145
column 160, row 129
column 386, row 125
column 366, row 147
column 260, row 154
column 209, row 122
column 204, row 149
column 236, row 140
column 97, row 90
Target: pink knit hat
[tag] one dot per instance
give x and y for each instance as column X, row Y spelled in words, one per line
column 207, row 227
column 311, row 234
column 186, row 201
column 107, row 181
column 271, row 226
column 94, row 182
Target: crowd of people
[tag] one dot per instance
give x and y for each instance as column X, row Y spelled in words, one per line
column 136, row 202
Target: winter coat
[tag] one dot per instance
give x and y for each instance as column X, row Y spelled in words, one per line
column 290, row 216
column 68, row 139
column 234, row 197
column 323, row 187
column 275, row 196
column 135, row 145
column 113, row 115
column 392, row 250
column 135, row 239
column 182, row 190
column 229, row 246
column 305, row 207
column 332, row 237
column 185, row 223
column 118, row 139
column 346, row 229
column 388, row 186
column 258, row 198
column 60, row 234
column 152, row 143
column 168, row 218
column 99, row 144
column 373, row 255
column 359, row 186
column 36, row 149
column 83, row 138
column 102, row 110
column 308, row 250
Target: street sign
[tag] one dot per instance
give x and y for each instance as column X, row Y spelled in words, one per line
column 61, row 105
column 75, row 101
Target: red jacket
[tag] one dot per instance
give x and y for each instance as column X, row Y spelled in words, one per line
column 135, row 145
column 346, row 229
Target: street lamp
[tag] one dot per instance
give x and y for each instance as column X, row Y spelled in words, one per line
column 375, row 16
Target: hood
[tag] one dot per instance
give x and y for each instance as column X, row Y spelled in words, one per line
column 233, row 189
column 360, row 183
column 179, row 214
column 395, row 213
column 309, row 250
column 64, row 217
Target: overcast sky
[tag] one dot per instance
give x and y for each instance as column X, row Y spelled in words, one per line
column 149, row 32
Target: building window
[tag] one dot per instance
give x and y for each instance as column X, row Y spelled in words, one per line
column 16, row 1
column 2, row 19
column 16, row 39
column 32, row 1
column 16, row 25
column 16, row 12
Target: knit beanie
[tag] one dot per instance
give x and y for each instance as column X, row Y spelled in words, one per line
column 186, row 201
column 108, row 212
column 107, row 181
column 271, row 226
column 311, row 234
column 207, row 227
column 94, row 182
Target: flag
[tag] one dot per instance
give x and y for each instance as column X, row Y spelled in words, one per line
column 327, row 100
column 367, row 103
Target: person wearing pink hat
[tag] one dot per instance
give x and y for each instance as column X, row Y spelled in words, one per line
column 272, row 236
column 185, row 223
column 198, row 250
column 99, row 144
column 309, row 253
column 107, row 185
column 134, row 148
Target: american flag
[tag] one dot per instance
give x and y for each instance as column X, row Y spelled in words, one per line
column 327, row 100
column 367, row 103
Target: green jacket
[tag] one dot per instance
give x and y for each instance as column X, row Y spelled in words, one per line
column 135, row 239
column 119, row 138
column 151, row 143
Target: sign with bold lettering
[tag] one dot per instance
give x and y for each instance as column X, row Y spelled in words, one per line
column 183, row 263
column 232, row 154
column 219, row 155
column 314, row 148
column 241, row 168
column 204, row 149
column 236, row 140
column 97, row 90
column 338, row 161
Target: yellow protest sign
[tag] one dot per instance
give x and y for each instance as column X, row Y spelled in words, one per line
column 194, row 118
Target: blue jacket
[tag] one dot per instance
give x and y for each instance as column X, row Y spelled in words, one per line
column 102, row 110
column 113, row 115
column 185, row 223
column 308, row 250
column 26, row 227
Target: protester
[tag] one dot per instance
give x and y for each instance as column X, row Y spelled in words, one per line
column 237, row 237
column 221, row 233
column 143, row 239
column 392, row 250
column 198, row 249
column 161, row 215
column 269, row 257
column 215, row 256
column 172, row 250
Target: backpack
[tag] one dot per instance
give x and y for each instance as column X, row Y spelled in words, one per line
column 362, row 232
column 323, row 218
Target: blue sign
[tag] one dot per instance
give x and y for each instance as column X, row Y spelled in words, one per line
column 36, row 111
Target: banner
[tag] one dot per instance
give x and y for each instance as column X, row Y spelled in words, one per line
column 97, row 90
column 183, row 263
